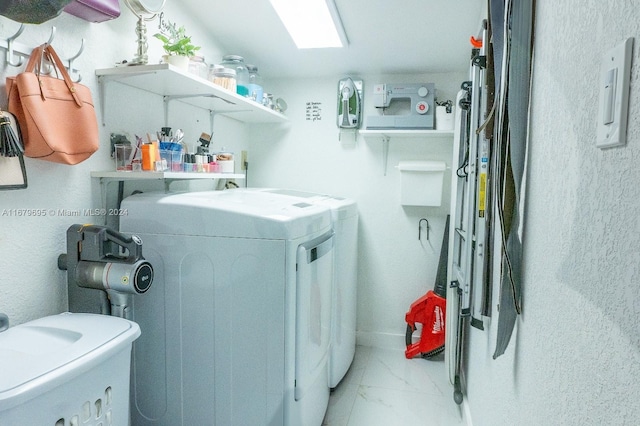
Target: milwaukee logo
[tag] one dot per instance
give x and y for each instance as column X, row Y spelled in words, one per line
column 438, row 320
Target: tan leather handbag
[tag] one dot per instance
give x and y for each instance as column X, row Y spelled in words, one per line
column 56, row 116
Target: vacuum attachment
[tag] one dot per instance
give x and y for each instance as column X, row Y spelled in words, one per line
column 102, row 259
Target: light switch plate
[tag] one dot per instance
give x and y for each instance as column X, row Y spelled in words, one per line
column 613, row 83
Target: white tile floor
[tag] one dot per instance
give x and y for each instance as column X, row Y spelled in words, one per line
column 383, row 388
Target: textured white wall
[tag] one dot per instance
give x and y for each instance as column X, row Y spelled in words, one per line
column 31, row 286
column 394, row 267
column 575, row 356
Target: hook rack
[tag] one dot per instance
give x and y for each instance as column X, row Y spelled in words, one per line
column 16, row 52
column 10, row 46
column 73, row 58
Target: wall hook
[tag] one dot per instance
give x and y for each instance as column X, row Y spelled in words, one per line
column 10, row 40
column 73, row 58
column 420, row 228
column 52, row 36
column 45, row 66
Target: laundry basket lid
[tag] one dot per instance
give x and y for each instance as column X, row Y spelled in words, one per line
column 39, row 354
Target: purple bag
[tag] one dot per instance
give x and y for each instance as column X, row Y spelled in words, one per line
column 94, row 10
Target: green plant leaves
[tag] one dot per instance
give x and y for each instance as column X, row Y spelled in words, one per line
column 175, row 40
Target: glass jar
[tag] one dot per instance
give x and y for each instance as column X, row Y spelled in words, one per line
column 255, row 84
column 242, row 74
column 267, row 100
column 197, row 66
column 223, row 77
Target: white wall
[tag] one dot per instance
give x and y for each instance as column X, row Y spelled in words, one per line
column 575, row 356
column 394, row 267
column 31, row 286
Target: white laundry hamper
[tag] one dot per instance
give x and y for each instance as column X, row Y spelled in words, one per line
column 66, row 370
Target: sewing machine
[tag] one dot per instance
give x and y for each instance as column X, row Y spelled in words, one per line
column 419, row 114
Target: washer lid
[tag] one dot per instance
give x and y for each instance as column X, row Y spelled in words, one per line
column 241, row 213
column 341, row 208
column 35, row 353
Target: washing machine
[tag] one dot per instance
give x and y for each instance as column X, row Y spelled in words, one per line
column 236, row 328
column 344, row 216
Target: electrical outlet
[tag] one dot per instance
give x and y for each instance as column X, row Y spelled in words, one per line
column 244, row 162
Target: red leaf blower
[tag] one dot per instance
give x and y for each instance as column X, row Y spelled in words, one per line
column 430, row 311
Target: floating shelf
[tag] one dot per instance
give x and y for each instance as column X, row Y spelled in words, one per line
column 405, row 134
column 107, row 177
column 172, row 83
column 385, row 135
column 113, row 175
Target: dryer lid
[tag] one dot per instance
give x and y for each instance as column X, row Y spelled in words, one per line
column 237, row 213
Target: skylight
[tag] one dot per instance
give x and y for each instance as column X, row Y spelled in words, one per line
column 312, row 24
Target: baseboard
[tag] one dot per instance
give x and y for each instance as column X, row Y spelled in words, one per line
column 381, row 340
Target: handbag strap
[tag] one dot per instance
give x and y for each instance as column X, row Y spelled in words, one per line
column 53, row 57
column 47, row 52
column 35, row 59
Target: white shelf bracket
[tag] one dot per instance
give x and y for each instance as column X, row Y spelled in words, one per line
column 385, row 153
column 212, row 115
column 168, row 98
column 103, row 99
column 165, row 101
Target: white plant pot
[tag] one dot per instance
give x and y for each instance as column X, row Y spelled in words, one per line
column 181, row 62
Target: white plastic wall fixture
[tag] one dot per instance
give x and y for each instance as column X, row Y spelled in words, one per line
column 615, row 73
column 421, row 182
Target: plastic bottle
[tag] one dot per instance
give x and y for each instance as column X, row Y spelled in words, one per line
column 255, row 84
column 148, row 157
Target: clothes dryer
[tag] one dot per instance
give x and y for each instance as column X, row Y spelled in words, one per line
column 344, row 217
column 236, row 328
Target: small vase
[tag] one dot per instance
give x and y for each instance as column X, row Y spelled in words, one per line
column 181, row 62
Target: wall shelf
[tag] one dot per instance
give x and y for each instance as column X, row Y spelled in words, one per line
column 385, row 135
column 173, row 83
column 379, row 134
column 107, row 177
column 122, row 176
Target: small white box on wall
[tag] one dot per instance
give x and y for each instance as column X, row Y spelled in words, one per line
column 421, row 182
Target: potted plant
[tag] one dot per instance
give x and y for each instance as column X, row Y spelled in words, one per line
column 176, row 44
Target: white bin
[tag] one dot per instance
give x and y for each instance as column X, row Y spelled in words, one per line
column 421, row 182
column 66, row 370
